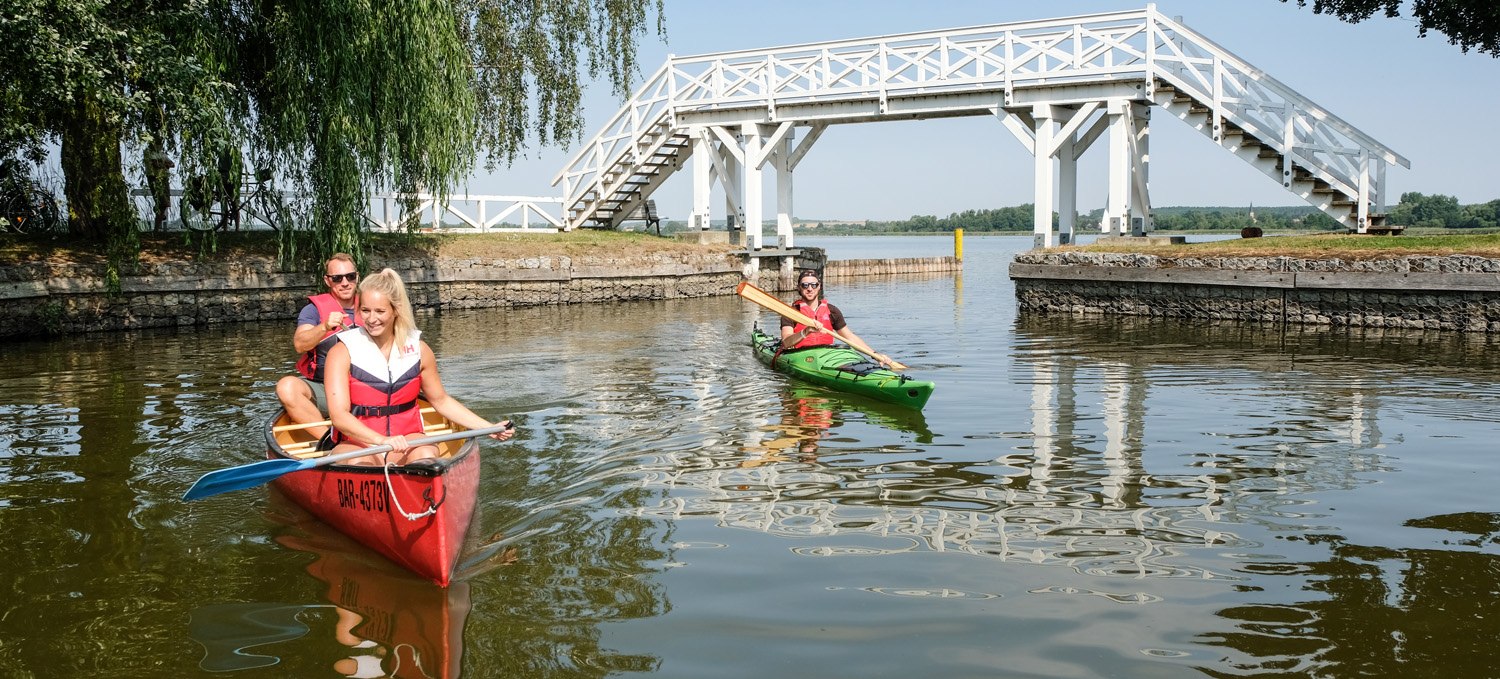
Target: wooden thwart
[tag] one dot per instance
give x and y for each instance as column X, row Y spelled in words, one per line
column 304, row 451
column 325, row 423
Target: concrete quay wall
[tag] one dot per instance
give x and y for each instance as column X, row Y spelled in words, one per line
column 1455, row 292
column 46, row 299
column 37, row 300
column 885, row 267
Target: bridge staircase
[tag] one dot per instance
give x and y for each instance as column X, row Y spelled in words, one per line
column 1057, row 84
column 654, row 155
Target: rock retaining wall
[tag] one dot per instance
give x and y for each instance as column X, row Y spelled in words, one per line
column 1456, row 292
column 42, row 299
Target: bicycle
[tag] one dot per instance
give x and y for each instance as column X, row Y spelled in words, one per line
column 28, row 208
column 209, row 205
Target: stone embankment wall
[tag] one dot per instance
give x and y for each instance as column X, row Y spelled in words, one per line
column 42, row 299
column 1454, row 292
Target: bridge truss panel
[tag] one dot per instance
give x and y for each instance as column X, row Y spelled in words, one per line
column 976, row 71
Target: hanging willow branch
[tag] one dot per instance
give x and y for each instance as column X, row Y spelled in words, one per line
column 533, row 58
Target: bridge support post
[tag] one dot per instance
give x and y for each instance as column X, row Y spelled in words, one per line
column 1128, row 207
column 1067, row 190
column 703, row 181
column 780, row 159
column 751, row 198
column 1042, row 234
column 729, row 178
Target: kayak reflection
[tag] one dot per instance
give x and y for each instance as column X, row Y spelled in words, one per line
column 810, row 415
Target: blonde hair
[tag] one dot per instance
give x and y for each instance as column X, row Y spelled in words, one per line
column 388, row 283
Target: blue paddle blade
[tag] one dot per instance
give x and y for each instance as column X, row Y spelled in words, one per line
column 243, row 476
column 248, row 475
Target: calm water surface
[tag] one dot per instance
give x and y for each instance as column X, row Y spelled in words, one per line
column 1081, row 498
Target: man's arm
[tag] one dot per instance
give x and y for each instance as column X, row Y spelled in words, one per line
column 308, row 336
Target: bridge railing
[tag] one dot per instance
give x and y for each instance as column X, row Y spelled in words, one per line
column 647, row 109
column 1277, row 115
column 471, row 214
column 1002, row 57
column 1136, row 45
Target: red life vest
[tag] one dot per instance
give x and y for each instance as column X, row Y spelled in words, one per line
column 383, row 393
column 822, row 315
column 311, row 363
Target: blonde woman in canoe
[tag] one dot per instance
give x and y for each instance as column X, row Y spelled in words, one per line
column 375, row 374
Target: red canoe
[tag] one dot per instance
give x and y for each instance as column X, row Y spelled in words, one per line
column 357, row 501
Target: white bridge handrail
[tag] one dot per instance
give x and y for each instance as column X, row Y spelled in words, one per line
column 488, row 212
column 1136, row 45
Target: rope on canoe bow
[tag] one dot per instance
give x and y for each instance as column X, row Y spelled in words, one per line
column 391, row 488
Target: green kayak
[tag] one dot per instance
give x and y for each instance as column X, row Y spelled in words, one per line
column 843, row 369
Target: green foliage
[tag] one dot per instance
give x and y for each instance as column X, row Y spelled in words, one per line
column 528, row 75
column 1470, row 24
column 1421, row 210
column 1481, row 216
column 50, row 317
column 1415, row 210
column 1017, row 218
column 341, row 98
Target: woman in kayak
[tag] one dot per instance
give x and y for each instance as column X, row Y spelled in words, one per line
column 376, row 372
column 810, row 303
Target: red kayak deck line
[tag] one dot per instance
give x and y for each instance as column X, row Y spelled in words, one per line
column 356, row 500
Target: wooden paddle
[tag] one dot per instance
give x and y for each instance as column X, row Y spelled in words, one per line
column 256, row 473
column 765, row 299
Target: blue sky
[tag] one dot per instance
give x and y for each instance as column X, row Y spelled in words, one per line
column 1420, row 96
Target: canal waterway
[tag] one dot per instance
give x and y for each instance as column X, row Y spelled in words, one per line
column 1081, row 498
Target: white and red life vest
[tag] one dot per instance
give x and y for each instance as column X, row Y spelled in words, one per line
column 383, row 393
column 822, row 315
column 311, row 363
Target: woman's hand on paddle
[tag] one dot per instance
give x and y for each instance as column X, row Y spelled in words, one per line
column 398, row 444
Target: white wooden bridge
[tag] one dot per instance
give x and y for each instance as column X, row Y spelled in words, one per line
column 1057, row 85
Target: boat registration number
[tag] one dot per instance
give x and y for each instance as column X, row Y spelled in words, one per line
column 370, row 496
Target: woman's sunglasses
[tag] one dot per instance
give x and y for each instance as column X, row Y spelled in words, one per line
column 341, row 277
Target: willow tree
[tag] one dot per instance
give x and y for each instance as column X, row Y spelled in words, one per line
column 341, row 98
column 404, row 95
column 81, row 75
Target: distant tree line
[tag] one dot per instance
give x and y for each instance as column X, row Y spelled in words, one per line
column 1017, row 218
column 1442, row 211
column 1415, row 209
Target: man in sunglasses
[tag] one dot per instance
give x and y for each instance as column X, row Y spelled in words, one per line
column 318, row 325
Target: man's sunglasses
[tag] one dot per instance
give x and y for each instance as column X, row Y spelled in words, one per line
column 341, row 277
column 809, row 285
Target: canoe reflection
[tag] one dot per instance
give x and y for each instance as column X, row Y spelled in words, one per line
column 395, row 624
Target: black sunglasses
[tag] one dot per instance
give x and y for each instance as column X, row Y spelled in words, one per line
column 341, row 277
column 809, row 285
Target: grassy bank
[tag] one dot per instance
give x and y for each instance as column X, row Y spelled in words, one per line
column 15, row 249
column 1322, row 246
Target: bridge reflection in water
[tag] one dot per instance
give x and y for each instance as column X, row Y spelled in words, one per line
column 1060, row 494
